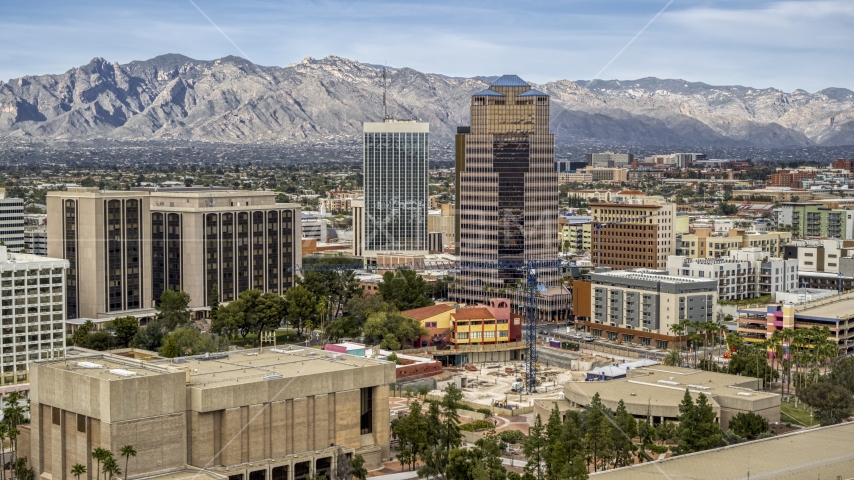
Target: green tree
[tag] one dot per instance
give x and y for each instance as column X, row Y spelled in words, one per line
column 342, row 327
column 748, row 425
column 127, row 451
column 598, row 437
column 410, row 432
column 842, row 373
column 572, row 435
column 359, row 309
column 434, row 456
column 449, row 405
column 100, row 455
column 627, row 429
column 190, row 341
column 150, row 337
column 483, row 462
column 673, row 358
column 554, row 433
column 21, row 470
column 698, row 428
column 357, row 468
column 708, row 432
column 535, row 449
column 214, row 302
column 832, row 403
column 303, row 308
column 111, row 468
column 488, row 449
column 665, row 431
column 392, row 329
column 78, row 338
column 78, row 470
column 687, row 424
column 578, row 469
column 405, row 290
column 126, row 328
column 172, row 309
column 271, row 310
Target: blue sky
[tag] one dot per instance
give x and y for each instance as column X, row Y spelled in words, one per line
column 783, row 44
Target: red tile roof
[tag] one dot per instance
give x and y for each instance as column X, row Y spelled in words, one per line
column 424, row 313
column 474, row 313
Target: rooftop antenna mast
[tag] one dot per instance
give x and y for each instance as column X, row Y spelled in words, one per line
column 385, row 108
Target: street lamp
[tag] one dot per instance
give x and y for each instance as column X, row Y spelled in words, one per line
column 839, row 283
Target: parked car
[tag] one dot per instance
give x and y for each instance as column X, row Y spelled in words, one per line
column 588, row 338
column 577, row 336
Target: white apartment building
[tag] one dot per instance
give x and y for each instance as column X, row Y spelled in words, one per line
column 11, row 221
column 745, row 273
column 32, row 310
column 640, row 306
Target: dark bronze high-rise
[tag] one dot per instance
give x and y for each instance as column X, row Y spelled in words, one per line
column 507, row 194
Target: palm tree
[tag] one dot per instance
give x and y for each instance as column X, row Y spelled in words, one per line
column 99, row 455
column 4, row 434
column 777, row 349
column 673, row 358
column 127, row 452
column 111, row 468
column 787, row 338
column 78, row 470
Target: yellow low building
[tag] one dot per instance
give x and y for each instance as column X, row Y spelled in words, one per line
column 474, row 325
column 478, row 325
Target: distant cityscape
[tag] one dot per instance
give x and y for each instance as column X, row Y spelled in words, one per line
column 398, row 306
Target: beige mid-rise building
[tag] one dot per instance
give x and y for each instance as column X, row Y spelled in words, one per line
column 706, row 243
column 126, row 247
column 246, row 415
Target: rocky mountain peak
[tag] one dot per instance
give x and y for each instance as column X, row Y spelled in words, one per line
column 234, row 100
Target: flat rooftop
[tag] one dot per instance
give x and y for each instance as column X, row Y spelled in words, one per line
column 217, row 369
column 665, row 386
column 829, row 309
column 807, row 454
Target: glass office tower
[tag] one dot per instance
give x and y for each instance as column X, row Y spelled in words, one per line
column 395, row 176
column 507, row 192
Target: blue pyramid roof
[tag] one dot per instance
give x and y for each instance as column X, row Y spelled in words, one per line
column 487, row 93
column 510, row 81
column 532, row 92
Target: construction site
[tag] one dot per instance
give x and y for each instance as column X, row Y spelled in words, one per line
column 503, row 385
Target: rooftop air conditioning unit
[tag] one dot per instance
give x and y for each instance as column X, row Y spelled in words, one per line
column 89, row 365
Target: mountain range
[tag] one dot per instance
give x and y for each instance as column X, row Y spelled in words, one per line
column 173, row 97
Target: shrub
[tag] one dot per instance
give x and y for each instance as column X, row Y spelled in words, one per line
column 477, row 425
column 748, row 425
column 485, row 411
column 511, row 436
column 657, row 449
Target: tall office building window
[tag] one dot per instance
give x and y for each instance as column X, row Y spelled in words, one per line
column 71, row 255
column 133, row 254
column 395, row 179
column 158, row 255
column 113, row 235
column 173, row 257
column 211, row 255
column 258, row 250
column 287, row 249
column 273, row 251
column 227, row 245
column 242, row 252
